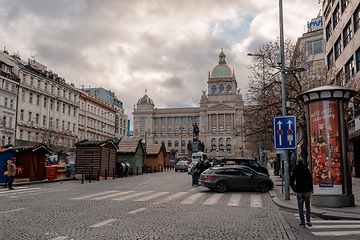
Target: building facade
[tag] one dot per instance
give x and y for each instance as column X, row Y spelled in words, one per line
column 96, row 118
column 219, row 118
column 121, row 120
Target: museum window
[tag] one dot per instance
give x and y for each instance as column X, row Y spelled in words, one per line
column 163, row 121
column 169, row 143
column 142, row 132
column 176, row 143
column 228, row 144
column 330, row 59
column 170, row 132
column 213, row 89
column 183, row 143
column 221, row 144
column 163, row 132
column 30, row 97
column 157, row 121
column 190, row 131
column 157, row 132
column 204, row 119
column 38, row 100
column 197, row 119
column 142, row 120
column 177, row 132
column 344, row 4
column 213, row 129
column 5, row 102
column 177, row 120
column 213, row 144
column 170, row 120
column 228, row 89
column 183, row 119
column 228, row 129
column 183, row 130
column 221, row 129
column 156, row 142
column 38, row 83
column 221, row 89
column 191, row 119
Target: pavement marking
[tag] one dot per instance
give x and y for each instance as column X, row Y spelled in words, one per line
column 143, row 183
column 137, row 210
column 192, row 198
column 151, row 197
column 171, row 197
column 93, row 195
column 213, row 199
column 191, row 190
column 112, row 195
column 5, row 189
column 335, row 233
column 234, row 200
column 255, row 201
column 38, row 192
column 60, row 238
column 335, row 221
column 15, row 191
column 132, row 195
column 103, row 223
column 14, row 210
column 334, row 226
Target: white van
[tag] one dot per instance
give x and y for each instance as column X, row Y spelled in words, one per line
column 195, row 159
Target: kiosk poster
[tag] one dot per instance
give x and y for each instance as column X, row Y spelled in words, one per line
column 325, row 147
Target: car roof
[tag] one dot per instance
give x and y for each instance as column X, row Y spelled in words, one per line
column 232, row 166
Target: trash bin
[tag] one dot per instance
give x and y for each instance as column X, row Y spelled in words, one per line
column 120, row 169
column 128, row 170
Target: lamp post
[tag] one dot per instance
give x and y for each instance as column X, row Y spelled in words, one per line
column 17, row 103
column 181, row 135
column 263, row 79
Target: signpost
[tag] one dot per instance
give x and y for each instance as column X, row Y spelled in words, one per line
column 285, row 132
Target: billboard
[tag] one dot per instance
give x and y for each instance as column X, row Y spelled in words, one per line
column 325, row 147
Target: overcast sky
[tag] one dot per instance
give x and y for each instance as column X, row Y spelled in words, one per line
column 165, row 46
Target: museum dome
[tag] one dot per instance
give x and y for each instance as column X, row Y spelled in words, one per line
column 222, row 69
column 145, row 100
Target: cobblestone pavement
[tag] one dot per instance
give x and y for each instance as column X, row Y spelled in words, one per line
column 150, row 206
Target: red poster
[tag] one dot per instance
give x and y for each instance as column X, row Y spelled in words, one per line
column 325, row 147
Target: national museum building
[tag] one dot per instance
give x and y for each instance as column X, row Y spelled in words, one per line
column 219, row 118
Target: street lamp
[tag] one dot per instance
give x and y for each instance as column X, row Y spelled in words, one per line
column 17, row 102
column 181, row 135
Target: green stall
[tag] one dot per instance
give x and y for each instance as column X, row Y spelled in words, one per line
column 132, row 152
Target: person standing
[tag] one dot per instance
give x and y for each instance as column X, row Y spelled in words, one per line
column 301, row 183
column 11, row 172
column 199, row 168
column 6, row 172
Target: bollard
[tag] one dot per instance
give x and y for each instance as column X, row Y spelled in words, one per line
column 98, row 175
column 105, row 173
column 82, row 177
column 113, row 173
column 89, row 175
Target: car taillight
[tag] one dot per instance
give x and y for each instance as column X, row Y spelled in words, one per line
column 207, row 176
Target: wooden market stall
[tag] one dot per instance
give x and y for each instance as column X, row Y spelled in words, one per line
column 95, row 157
column 5, row 154
column 155, row 156
column 131, row 151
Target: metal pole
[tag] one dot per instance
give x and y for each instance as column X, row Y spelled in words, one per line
column 284, row 110
column 145, row 149
column 49, row 125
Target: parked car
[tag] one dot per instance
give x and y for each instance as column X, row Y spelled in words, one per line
column 251, row 163
column 222, row 178
column 181, row 166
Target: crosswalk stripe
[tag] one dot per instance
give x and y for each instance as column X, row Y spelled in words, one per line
column 132, row 195
column 37, row 192
column 112, row 195
column 151, row 197
column 171, row 197
column 60, row 238
column 234, row 200
column 255, row 201
column 336, row 221
column 11, row 192
column 103, row 223
column 192, row 198
column 335, row 233
column 334, row 226
column 137, row 210
column 14, row 210
column 213, row 199
column 93, row 195
column 5, row 189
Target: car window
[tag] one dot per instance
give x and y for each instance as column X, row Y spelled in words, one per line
column 221, row 171
column 254, row 164
column 231, row 171
column 208, row 171
column 245, row 173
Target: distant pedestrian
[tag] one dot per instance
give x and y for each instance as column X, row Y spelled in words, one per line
column 301, row 183
column 6, row 172
column 207, row 164
column 11, row 172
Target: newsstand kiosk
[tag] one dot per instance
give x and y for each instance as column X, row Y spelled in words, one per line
column 328, row 145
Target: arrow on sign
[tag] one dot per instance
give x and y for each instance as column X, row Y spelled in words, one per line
column 279, row 123
column 289, row 124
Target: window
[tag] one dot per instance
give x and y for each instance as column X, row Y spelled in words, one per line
column 11, row 103
column 213, row 89
column 213, row 144
column 221, row 129
column 57, row 123
column 64, row 107
column 336, row 16
column 142, row 120
column 38, row 99
column 190, row 130
column 347, row 35
column 157, row 132
column 357, row 19
column 30, row 114
column 31, row 81
column 24, row 78
column 63, row 124
column 38, row 83
column 12, row 88
column 51, row 88
column 315, row 47
column 45, row 87
column 191, row 119
column 183, row 143
column 169, row 143
column 221, row 144
column 57, row 106
column 177, row 132
column 37, row 118
column 328, row 31
column 330, row 59
column 221, row 89
column 197, row 119
column 213, row 129
column 204, row 119
column 183, row 119
column 228, row 89
column 344, row 4
column 22, row 115
column 157, row 121
column 357, row 57
column 228, row 129
column 170, row 132
column 163, row 132
column 337, row 48
column 4, row 121
column 177, row 120
column 10, row 123
column 44, row 120
column 163, row 121
column 69, row 110
column 31, row 97
column 183, row 130
column 176, row 143
column 349, row 69
column 6, row 86
column 23, row 95
column 45, row 99
column 5, row 102
column 228, row 144
column 51, row 104
column 170, row 120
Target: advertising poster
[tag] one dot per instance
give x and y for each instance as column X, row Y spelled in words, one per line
column 325, row 147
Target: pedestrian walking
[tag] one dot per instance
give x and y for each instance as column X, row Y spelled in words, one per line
column 301, row 183
column 11, row 172
column 6, row 172
column 199, row 168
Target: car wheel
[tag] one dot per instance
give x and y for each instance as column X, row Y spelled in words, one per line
column 264, row 187
column 221, row 187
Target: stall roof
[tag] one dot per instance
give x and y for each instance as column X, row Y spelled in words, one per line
column 7, row 149
column 154, row 149
column 129, row 146
column 94, row 143
column 33, row 148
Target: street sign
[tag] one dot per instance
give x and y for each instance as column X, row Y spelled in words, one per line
column 285, row 132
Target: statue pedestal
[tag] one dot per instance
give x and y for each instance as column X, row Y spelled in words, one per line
column 195, row 146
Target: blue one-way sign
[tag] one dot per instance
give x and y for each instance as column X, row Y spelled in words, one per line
column 285, row 132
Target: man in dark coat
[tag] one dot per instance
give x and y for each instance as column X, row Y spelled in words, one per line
column 301, row 183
